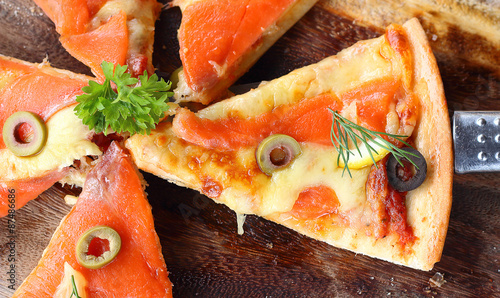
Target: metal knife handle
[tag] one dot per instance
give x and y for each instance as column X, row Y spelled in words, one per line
column 476, row 138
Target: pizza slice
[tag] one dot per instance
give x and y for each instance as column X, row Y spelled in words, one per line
column 106, row 246
column 272, row 151
column 45, row 98
column 117, row 31
column 220, row 40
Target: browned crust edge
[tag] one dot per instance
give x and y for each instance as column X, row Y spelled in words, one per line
column 429, row 205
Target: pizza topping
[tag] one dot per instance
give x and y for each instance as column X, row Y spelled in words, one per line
column 388, row 206
column 408, row 173
column 174, row 77
column 97, row 247
column 73, row 284
column 315, row 202
column 214, row 34
column 136, row 106
column 306, row 121
column 24, row 133
column 276, row 152
column 373, row 144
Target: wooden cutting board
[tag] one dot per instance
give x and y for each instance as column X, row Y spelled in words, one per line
column 205, row 255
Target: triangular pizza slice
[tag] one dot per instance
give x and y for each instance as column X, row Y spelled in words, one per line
column 106, row 246
column 272, row 151
column 45, row 98
column 117, row 31
column 220, row 40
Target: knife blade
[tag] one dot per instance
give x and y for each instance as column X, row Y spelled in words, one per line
column 476, row 140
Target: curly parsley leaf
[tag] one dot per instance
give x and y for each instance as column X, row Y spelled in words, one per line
column 136, row 106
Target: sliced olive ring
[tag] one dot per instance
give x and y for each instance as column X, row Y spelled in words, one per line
column 13, row 140
column 174, row 78
column 420, row 171
column 95, row 262
column 276, row 152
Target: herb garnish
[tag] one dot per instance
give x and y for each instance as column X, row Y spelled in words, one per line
column 75, row 291
column 343, row 131
column 135, row 107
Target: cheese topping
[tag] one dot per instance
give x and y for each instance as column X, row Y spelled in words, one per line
column 66, row 288
column 67, row 140
column 315, row 166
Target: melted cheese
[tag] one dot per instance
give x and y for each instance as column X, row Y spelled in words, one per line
column 67, row 140
column 315, row 166
column 65, row 288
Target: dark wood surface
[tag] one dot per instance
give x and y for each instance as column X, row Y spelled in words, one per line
column 205, row 255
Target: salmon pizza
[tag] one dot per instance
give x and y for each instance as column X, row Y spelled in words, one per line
column 52, row 123
column 106, row 246
column 42, row 140
column 221, row 39
column 117, row 31
column 355, row 150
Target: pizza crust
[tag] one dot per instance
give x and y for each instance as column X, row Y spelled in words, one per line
column 429, row 205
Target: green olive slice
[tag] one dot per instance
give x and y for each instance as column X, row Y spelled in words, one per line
column 174, row 78
column 276, row 152
column 12, row 136
column 103, row 234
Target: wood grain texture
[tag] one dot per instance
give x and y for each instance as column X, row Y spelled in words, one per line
column 205, row 255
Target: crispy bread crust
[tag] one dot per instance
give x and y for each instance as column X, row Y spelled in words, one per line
column 430, row 204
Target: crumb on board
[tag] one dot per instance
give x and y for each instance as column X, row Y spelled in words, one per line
column 437, row 280
column 70, row 200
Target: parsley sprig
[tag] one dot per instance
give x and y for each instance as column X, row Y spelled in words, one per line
column 136, row 106
column 343, row 131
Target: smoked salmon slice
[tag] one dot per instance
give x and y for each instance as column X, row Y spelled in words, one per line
column 117, row 31
column 112, row 196
column 49, row 93
column 220, row 40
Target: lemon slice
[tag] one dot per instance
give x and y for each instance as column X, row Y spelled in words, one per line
column 358, row 161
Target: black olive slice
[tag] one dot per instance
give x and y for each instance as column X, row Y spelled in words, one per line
column 276, row 152
column 396, row 180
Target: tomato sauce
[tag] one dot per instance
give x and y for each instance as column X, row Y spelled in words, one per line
column 388, row 206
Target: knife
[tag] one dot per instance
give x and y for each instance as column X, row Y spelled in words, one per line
column 476, row 137
column 476, row 140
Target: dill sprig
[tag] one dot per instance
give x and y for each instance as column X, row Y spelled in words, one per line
column 343, row 131
column 75, row 291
